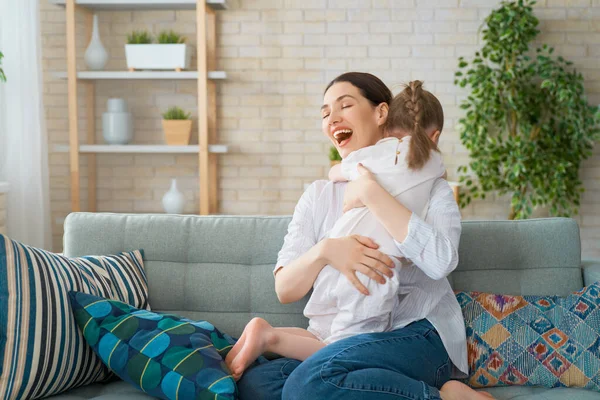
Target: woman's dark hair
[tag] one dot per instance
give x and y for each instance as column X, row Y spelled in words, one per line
column 370, row 86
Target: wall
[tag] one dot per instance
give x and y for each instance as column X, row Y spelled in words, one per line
column 279, row 55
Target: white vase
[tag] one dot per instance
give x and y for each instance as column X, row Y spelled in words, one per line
column 173, row 201
column 96, row 56
column 117, row 123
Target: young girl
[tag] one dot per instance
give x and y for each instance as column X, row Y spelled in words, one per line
column 406, row 163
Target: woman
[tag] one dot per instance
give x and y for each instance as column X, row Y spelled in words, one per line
column 428, row 339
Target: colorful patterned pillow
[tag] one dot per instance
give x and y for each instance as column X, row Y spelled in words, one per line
column 164, row 355
column 42, row 352
column 546, row 341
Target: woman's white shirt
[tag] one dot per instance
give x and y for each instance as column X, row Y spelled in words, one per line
column 430, row 250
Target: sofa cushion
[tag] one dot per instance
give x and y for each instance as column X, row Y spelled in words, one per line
column 41, row 349
column 164, row 355
column 546, row 341
column 198, row 255
column 523, row 257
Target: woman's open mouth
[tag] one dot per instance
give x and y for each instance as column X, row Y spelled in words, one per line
column 342, row 136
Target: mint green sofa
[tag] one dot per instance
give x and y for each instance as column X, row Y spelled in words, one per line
column 191, row 260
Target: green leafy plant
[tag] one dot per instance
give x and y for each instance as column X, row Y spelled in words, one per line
column 334, row 155
column 2, row 76
column 528, row 125
column 139, row 37
column 170, row 37
column 176, row 113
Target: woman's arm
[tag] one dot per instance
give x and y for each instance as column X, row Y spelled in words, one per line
column 432, row 245
column 295, row 280
column 347, row 254
column 301, row 258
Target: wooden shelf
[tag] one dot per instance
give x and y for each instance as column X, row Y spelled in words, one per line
column 105, row 75
column 122, row 5
column 143, row 149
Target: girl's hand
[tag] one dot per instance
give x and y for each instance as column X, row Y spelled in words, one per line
column 357, row 189
column 354, row 253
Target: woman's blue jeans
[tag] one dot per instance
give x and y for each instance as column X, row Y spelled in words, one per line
column 408, row 363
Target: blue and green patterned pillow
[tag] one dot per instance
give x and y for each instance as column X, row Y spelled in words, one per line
column 164, row 355
column 546, row 341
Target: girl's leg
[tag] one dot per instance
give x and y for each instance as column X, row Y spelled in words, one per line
column 240, row 343
column 297, row 331
column 259, row 337
column 406, row 364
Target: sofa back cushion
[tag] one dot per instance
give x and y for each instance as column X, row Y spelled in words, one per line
column 214, row 268
column 527, row 257
column 219, row 268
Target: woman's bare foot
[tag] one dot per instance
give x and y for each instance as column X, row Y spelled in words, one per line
column 455, row 390
column 257, row 336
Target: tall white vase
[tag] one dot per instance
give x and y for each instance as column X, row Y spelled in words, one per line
column 96, row 56
column 173, row 201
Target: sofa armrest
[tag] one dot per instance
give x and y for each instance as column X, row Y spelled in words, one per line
column 591, row 271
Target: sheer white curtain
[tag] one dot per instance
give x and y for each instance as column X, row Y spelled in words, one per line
column 23, row 143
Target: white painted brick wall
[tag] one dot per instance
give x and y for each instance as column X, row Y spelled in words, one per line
column 279, row 56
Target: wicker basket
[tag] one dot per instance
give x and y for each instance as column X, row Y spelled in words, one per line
column 177, row 132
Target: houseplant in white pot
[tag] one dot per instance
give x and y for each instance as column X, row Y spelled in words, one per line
column 170, row 53
column 177, row 126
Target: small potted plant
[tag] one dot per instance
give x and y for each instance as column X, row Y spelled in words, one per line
column 334, row 156
column 171, row 51
column 177, row 126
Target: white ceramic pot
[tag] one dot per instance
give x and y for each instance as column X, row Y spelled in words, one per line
column 96, row 55
column 158, row 56
column 173, row 201
column 117, row 123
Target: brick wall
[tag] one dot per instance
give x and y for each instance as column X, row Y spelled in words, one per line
column 3, row 213
column 279, row 55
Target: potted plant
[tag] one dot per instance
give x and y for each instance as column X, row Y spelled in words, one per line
column 2, row 76
column 170, row 52
column 177, row 126
column 334, row 156
column 528, row 125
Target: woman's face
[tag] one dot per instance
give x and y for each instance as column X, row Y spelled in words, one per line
column 349, row 120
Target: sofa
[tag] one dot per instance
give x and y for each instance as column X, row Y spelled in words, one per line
column 219, row 268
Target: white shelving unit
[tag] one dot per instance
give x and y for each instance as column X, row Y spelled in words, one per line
column 125, row 5
column 205, row 74
column 142, row 149
column 116, row 75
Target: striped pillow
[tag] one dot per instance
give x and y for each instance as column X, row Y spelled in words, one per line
column 42, row 351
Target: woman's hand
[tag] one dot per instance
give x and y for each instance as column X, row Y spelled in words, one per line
column 356, row 190
column 354, row 253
